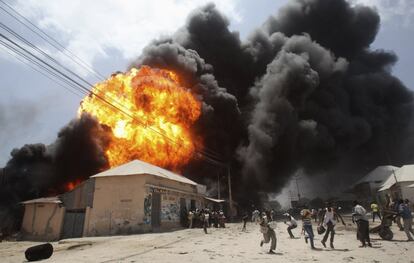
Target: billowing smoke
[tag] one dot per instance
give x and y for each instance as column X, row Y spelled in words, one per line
column 304, row 91
column 39, row 170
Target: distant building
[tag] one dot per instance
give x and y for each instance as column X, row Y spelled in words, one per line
column 366, row 188
column 135, row 197
column 399, row 184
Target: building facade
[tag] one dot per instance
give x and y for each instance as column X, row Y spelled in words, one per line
column 43, row 219
column 136, row 197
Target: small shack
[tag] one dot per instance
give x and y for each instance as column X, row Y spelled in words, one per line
column 43, row 219
column 135, row 197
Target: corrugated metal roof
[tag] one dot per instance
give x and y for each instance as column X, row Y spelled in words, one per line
column 378, row 175
column 54, row 199
column 137, row 167
column 404, row 174
column 214, row 200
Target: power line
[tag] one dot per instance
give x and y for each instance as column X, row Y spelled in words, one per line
column 50, row 69
column 46, row 37
column 62, row 49
column 26, row 63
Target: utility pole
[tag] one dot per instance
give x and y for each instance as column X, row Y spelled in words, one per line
column 395, row 178
column 297, row 187
column 230, row 196
column 218, row 185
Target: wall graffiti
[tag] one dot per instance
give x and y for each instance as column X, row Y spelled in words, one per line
column 170, row 212
column 147, row 209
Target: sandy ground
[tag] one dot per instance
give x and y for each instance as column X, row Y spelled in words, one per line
column 220, row 245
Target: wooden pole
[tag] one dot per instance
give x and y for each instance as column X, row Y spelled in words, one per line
column 218, row 185
column 230, row 196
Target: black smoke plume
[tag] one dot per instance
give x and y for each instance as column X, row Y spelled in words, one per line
column 304, row 91
column 38, row 170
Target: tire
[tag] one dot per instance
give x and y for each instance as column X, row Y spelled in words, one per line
column 386, row 233
column 39, row 252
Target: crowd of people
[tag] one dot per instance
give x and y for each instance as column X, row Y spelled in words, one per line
column 326, row 220
column 205, row 218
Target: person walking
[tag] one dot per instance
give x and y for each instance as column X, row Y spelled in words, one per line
column 329, row 222
column 256, row 216
column 272, row 215
column 307, row 225
column 292, row 224
column 314, row 214
column 405, row 212
column 375, row 211
column 359, row 217
column 395, row 206
column 244, row 219
column 205, row 217
column 190, row 218
column 268, row 233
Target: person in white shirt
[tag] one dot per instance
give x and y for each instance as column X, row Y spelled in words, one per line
column 292, row 224
column 329, row 222
column 268, row 233
column 190, row 219
column 359, row 216
column 256, row 216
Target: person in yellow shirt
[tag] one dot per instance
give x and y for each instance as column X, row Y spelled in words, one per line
column 375, row 211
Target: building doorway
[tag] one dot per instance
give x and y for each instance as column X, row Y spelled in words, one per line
column 73, row 223
column 156, row 210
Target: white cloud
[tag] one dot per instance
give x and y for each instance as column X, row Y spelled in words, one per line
column 91, row 28
column 391, row 9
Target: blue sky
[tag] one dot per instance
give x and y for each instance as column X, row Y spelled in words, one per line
column 110, row 34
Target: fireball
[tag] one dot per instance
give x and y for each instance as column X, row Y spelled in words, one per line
column 150, row 114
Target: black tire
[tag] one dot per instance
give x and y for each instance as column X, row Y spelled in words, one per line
column 386, row 233
column 39, row 252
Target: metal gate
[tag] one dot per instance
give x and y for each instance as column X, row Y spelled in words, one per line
column 156, row 210
column 183, row 212
column 73, row 224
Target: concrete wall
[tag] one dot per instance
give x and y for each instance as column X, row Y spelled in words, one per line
column 123, row 204
column 118, row 206
column 42, row 221
column 81, row 196
column 171, row 193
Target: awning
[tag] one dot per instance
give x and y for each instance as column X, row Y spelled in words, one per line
column 215, row 200
column 411, row 186
column 53, row 200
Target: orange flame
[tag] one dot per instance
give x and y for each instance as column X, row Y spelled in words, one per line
column 158, row 119
column 71, row 185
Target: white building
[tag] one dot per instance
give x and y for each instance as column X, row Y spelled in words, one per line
column 399, row 184
column 366, row 188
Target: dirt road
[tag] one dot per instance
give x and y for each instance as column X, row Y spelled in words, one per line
column 220, row 245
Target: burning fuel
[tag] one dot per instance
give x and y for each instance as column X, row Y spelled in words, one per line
column 152, row 120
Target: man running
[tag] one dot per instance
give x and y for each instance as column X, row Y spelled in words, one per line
column 292, row 224
column 405, row 212
column 329, row 221
column 268, row 233
column 307, row 225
